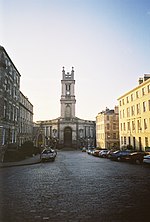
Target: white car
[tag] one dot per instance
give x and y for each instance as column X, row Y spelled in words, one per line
column 48, row 154
column 146, row 159
column 103, row 153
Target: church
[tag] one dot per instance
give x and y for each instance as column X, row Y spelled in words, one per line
column 66, row 131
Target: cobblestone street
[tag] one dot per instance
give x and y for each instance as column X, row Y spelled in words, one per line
column 76, row 187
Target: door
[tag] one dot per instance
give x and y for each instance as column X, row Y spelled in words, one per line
column 68, row 137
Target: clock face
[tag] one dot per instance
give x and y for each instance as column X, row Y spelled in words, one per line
column 68, row 92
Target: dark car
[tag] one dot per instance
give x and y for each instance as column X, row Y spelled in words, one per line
column 120, row 155
column 136, row 157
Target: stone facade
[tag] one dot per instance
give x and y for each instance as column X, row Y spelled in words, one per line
column 10, row 104
column 25, row 120
column 67, row 130
column 134, row 116
column 107, row 129
column 9, row 101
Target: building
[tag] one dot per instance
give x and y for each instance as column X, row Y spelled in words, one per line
column 134, row 116
column 9, row 101
column 10, row 104
column 107, row 129
column 25, row 120
column 67, row 130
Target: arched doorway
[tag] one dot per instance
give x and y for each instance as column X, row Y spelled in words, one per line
column 67, row 137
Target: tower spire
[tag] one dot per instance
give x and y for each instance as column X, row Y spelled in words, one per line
column 68, row 97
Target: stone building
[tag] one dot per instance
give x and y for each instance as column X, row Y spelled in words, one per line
column 9, row 101
column 67, row 130
column 25, row 120
column 10, row 105
column 134, row 115
column 107, row 129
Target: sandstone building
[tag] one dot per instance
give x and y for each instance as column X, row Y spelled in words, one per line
column 107, row 129
column 134, row 115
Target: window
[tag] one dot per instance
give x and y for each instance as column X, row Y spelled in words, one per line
column 131, row 97
column 13, row 113
column 114, row 135
column 146, row 141
column 149, row 104
column 145, row 124
column 128, row 112
column 143, row 91
column 132, row 110
column 138, row 108
column 139, row 125
column 125, row 141
column 5, row 109
column 148, row 88
column 107, row 126
column 3, row 136
column 121, row 126
column 144, row 106
column 128, row 126
column 107, row 117
column 122, row 101
column 124, row 126
column 122, row 140
column 68, row 87
column 137, row 94
column 133, row 125
column 123, row 113
column 127, row 98
column 114, row 126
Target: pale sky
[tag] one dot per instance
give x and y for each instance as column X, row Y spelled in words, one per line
column 106, row 41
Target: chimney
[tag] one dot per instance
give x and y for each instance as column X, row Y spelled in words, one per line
column 140, row 81
column 116, row 109
column 146, row 77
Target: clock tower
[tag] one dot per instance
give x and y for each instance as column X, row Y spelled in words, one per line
column 68, row 95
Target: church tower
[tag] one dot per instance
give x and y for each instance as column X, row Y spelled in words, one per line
column 67, row 95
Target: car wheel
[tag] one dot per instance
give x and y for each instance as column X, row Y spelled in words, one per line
column 119, row 158
column 138, row 161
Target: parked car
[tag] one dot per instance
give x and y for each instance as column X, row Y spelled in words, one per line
column 109, row 152
column 90, row 151
column 96, row 152
column 83, row 149
column 120, row 155
column 48, row 155
column 135, row 157
column 103, row 153
column 146, row 159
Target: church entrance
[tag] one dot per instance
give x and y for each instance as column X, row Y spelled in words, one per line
column 68, row 137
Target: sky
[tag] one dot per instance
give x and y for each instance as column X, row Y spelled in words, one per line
column 106, row 41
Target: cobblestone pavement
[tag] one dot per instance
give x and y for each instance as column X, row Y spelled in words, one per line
column 76, row 187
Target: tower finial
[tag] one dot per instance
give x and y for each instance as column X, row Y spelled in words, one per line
column 63, row 68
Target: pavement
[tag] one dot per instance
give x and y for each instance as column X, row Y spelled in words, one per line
column 28, row 161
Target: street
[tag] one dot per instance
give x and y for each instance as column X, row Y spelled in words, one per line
column 76, row 187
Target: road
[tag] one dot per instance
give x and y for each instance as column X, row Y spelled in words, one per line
column 76, row 187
